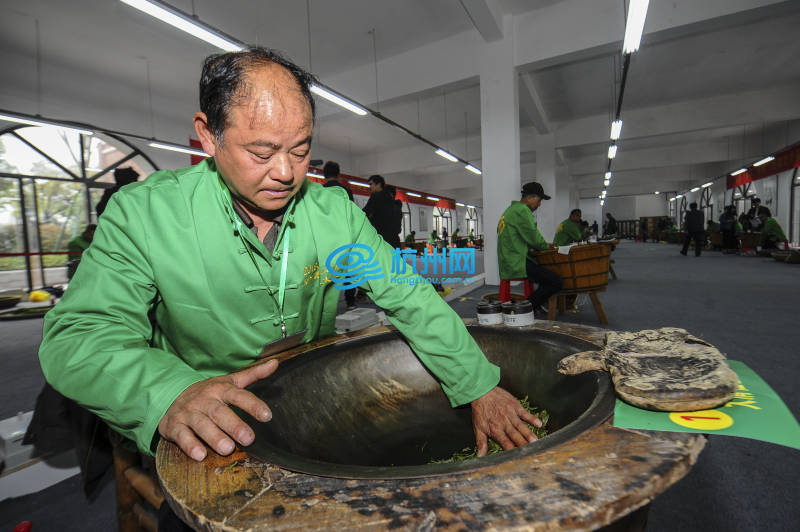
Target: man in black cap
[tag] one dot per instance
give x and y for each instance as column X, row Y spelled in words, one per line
column 122, row 177
column 516, row 234
column 752, row 215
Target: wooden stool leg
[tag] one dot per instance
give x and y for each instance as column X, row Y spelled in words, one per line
column 613, row 273
column 562, row 304
column 551, row 308
column 598, row 308
column 126, row 494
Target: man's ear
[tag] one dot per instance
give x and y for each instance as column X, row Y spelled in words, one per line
column 204, row 134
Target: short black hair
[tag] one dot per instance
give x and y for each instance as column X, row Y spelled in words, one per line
column 377, row 179
column 765, row 211
column 574, row 211
column 331, row 169
column 391, row 190
column 223, row 75
column 693, row 205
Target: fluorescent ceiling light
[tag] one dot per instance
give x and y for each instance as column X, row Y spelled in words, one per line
column 739, row 171
column 358, row 183
column 313, row 174
column 706, row 185
column 433, row 198
column 657, row 192
column 470, row 206
column 608, row 175
column 765, row 160
column 606, row 182
column 679, row 196
column 695, row 189
column 616, row 129
column 459, row 204
column 338, row 100
column 612, row 151
column 450, row 157
column 413, row 194
column 604, row 193
column 179, row 148
column 673, row 199
column 637, row 12
column 602, row 202
column 43, row 123
column 178, row 20
column 737, row 193
column 473, row 169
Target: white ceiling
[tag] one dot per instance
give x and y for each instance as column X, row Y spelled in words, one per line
column 711, row 87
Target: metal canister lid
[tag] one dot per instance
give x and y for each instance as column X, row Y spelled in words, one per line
column 523, row 306
column 489, row 307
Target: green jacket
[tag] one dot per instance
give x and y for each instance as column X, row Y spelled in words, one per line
column 567, row 233
column 773, row 231
column 76, row 247
column 168, row 247
column 516, row 234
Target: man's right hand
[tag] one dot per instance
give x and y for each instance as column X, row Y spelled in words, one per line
column 202, row 411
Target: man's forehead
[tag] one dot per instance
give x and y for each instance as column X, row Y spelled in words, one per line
column 270, row 92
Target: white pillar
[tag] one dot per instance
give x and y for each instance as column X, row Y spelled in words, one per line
column 547, row 214
column 499, row 140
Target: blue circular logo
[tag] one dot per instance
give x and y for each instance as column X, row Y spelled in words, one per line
column 352, row 265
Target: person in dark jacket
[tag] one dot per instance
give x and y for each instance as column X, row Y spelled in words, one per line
column 380, row 209
column 727, row 225
column 611, row 225
column 695, row 230
column 396, row 219
column 122, row 177
column 333, row 178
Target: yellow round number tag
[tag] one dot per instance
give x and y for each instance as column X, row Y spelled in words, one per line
column 702, row 419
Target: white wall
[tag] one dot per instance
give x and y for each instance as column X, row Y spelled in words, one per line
column 591, row 211
column 651, row 205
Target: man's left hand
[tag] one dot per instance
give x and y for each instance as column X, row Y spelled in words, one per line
column 500, row 416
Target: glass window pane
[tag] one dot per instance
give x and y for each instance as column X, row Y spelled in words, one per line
column 59, row 144
column 12, row 273
column 20, row 158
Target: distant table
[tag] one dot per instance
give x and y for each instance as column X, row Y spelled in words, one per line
column 605, row 475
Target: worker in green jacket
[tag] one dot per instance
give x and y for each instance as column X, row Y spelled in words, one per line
column 772, row 232
column 569, row 231
column 193, row 271
column 76, row 247
column 517, row 233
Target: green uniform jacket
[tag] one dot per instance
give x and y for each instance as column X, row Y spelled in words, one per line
column 567, row 233
column 516, row 233
column 168, row 247
column 773, row 231
column 76, row 247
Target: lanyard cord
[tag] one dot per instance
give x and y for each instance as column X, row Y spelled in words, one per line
column 284, row 260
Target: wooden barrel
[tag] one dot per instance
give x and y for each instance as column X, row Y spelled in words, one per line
column 585, row 268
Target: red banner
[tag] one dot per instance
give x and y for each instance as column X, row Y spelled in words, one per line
column 403, row 194
column 786, row 160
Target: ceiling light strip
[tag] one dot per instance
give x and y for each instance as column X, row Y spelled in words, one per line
column 41, row 122
column 634, row 26
column 184, row 22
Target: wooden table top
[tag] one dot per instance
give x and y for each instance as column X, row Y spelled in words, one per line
column 587, row 482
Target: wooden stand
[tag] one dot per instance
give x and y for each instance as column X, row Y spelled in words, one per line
column 136, row 488
column 602, row 476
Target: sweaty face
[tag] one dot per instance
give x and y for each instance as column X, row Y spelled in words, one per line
column 266, row 145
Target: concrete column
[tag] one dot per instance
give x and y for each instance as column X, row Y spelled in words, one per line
column 499, row 140
column 547, row 215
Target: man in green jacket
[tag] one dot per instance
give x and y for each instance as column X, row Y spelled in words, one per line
column 76, row 247
column 516, row 235
column 773, row 235
column 569, row 231
column 192, row 271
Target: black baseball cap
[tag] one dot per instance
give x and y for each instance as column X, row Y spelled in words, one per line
column 534, row 188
